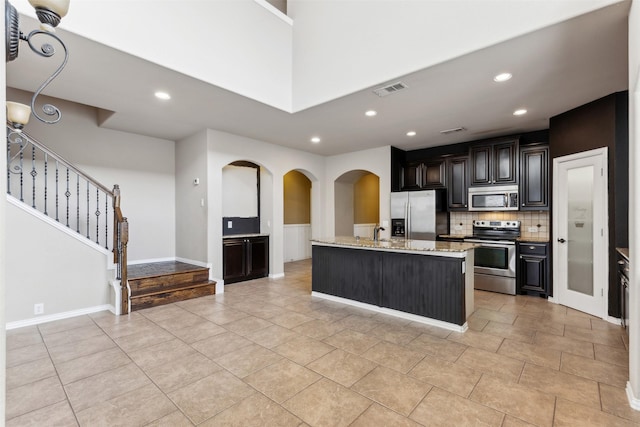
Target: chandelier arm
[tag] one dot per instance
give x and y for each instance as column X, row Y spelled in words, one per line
column 47, row 51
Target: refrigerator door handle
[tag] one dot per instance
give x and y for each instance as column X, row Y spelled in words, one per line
column 408, row 221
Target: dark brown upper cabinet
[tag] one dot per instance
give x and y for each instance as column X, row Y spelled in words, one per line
column 411, row 176
column 534, row 178
column 458, row 182
column 494, row 164
column 434, row 174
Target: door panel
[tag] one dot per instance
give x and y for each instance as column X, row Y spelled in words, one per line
column 580, row 231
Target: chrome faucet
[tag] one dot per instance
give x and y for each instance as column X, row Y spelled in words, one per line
column 376, row 233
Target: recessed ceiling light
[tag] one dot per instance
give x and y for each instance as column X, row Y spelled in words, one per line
column 502, row 77
column 315, row 139
column 520, row 112
column 411, row 133
column 370, row 113
column 162, row 95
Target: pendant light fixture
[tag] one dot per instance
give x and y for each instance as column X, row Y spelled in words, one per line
column 49, row 13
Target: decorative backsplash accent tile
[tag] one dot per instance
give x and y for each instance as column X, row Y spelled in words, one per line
column 462, row 222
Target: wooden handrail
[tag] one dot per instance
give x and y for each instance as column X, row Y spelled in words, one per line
column 16, row 144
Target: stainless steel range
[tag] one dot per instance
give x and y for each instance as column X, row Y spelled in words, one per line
column 495, row 258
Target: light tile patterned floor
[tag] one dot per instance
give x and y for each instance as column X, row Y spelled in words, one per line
column 265, row 353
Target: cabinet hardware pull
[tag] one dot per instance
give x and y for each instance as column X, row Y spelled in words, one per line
column 561, row 240
column 532, row 247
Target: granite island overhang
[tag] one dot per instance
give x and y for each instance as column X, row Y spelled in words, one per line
column 424, row 281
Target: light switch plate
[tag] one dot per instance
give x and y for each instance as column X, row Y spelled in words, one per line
column 229, row 224
column 457, row 227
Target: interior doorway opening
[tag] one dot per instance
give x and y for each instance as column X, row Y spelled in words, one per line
column 297, row 216
column 357, row 203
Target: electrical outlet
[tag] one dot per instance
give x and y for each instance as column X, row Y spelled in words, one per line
column 457, row 227
column 533, row 229
column 38, row 308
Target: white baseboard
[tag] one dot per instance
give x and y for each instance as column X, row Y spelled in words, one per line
column 146, row 261
column 634, row 401
column 193, row 262
column 395, row 313
column 58, row 316
column 276, row 276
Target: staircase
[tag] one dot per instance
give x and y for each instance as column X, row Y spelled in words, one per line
column 160, row 283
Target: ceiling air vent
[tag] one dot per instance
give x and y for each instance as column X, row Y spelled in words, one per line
column 453, row 130
column 389, row 89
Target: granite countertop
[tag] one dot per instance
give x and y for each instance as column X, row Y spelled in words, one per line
column 453, row 236
column 624, row 252
column 431, row 247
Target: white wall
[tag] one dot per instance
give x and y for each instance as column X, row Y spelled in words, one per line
column 58, row 270
column 239, row 191
column 340, row 47
column 224, row 148
column 191, row 216
column 144, row 167
column 376, row 161
column 297, row 242
column 3, row 184
column 237, row 45
column 343, row 212
column 633, row 388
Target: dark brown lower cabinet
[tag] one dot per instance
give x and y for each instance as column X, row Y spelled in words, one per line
column 245, row 258
column 532, row 272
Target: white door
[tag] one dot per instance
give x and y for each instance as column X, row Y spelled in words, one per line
column 580, row 234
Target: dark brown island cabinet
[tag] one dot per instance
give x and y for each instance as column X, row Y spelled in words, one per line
column 245, row 258
column 432, row 284
column 495, row 163
column 532, row 270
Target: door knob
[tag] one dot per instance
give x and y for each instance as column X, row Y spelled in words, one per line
column 561, row 240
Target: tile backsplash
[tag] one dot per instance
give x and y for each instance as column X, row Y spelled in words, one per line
column 461, row 222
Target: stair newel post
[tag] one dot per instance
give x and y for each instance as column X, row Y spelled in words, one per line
column 116, row 219
column 124, row 288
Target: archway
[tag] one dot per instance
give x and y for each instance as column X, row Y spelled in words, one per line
column 357, row 201
column 297, row 216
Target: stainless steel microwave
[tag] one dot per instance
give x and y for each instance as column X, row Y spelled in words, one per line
column 494, row 198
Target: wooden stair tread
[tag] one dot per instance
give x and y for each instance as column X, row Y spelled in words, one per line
column 158, row 269
column 166, row 289
column 159, row 283
column 167, row 297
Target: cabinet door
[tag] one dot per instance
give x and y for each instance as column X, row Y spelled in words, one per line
column 505, row 165
column 233, row 260
column 481, row 164
column 433, row 175
column 458, row 182
column 533, row 275
column 411, row 176
column 534, row 173
column 257, row 257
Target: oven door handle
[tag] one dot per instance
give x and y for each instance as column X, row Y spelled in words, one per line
column 492, row 244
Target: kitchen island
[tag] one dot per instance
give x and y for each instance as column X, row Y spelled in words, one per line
column 424, row 281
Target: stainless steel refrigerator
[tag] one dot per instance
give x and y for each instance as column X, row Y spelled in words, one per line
column 419, row 215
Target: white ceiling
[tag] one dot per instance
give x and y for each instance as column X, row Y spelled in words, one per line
column 555, row 69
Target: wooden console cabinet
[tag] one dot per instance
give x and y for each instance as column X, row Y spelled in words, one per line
column 245, row 258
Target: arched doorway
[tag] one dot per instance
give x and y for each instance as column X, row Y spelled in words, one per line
column 357, row 203
column 297, row 216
